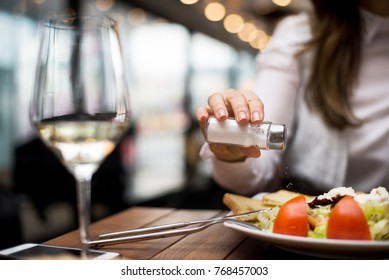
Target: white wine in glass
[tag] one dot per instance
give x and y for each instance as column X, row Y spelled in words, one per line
column 80, row 105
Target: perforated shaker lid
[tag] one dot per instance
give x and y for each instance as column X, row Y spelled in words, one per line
column 277, row 137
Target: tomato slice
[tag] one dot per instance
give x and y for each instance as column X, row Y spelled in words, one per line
column 292, row 218
column 347, row 221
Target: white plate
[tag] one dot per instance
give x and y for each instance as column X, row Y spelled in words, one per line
column 325, row 248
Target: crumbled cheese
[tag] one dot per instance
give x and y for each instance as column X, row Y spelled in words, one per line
column 377, row 196
column 340, row 191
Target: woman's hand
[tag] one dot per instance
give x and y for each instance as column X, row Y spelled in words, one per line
column 245, row 106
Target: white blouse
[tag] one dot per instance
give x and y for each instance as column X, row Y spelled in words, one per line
column 357, row 157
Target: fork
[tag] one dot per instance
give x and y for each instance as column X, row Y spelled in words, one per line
column 168, row 230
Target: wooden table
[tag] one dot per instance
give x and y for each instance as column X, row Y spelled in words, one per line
column 214, row 243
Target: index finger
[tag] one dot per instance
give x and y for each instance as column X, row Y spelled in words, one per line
column 217, row 104
column 256, row 106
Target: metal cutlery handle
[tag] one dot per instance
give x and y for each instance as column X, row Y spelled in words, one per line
column 165, row 233
column 168, row 230
column 178, row 225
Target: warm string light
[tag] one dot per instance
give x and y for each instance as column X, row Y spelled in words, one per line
column 214, row 11
column 235, row 23
column 189, row 2
column 260, row 42
column 247, row 29
column 282, row 3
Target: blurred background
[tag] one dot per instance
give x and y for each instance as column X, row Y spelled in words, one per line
column 177, row 53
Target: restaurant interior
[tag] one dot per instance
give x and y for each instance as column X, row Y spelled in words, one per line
column 177, row 52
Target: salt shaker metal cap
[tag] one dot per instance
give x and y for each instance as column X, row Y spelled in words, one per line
column 266, row 135
column 277, row 137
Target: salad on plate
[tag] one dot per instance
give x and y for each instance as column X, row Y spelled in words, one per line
column 340, row 213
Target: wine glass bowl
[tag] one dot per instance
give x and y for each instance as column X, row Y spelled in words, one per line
column 80, row 105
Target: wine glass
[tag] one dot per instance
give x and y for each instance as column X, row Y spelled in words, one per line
column 80, row 104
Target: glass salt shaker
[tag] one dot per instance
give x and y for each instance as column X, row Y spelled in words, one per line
column 266, row 135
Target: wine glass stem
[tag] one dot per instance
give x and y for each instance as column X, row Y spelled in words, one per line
column 84, row 204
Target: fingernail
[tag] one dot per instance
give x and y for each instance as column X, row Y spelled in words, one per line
column 202, row 117
column 201, row 114
column 221, row 113
column 242, row 115
column 256, row 116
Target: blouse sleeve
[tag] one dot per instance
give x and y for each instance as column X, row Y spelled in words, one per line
column 277, row 83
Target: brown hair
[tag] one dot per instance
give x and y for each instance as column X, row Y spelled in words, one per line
column 336, row 42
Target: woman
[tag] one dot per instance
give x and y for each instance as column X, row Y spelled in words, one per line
column 326, row 77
